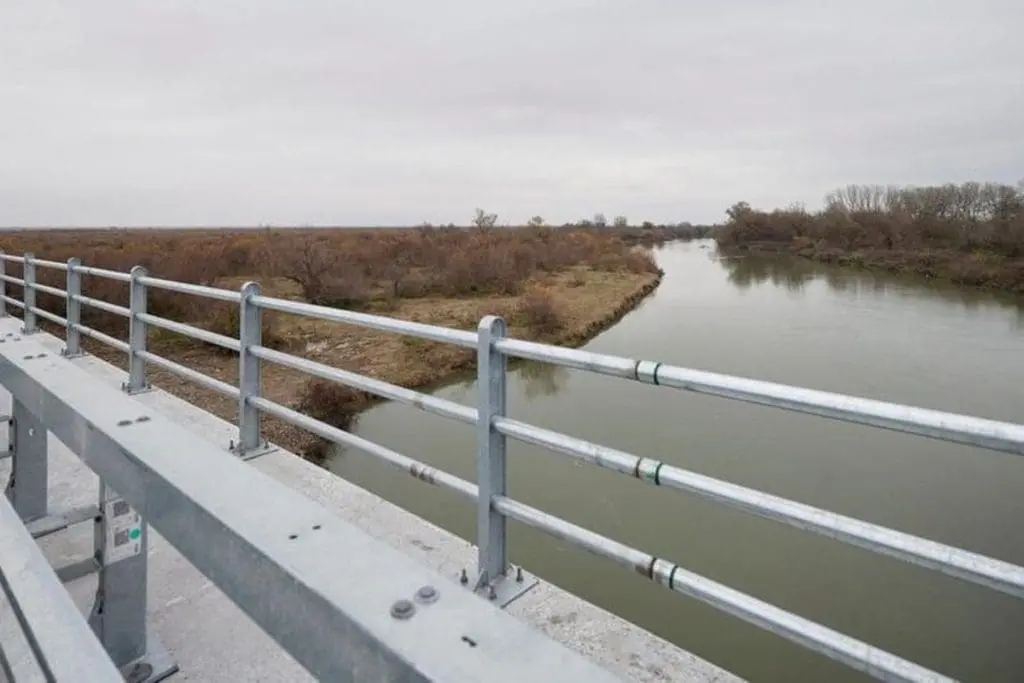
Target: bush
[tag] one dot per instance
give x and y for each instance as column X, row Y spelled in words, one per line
column 227, row 321
column 335, row 404
column 537, row 310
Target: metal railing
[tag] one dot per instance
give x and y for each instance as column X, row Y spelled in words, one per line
column 494, row 506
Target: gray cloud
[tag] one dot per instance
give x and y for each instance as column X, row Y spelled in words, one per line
column 390, row 112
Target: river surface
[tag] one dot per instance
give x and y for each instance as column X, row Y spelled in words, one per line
column 787, row 321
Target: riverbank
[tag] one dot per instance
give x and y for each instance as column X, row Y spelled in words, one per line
column 567, row 308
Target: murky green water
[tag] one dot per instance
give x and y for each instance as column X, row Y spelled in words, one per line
column 791, row 322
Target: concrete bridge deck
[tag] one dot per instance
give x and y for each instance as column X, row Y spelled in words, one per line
column 212, row 640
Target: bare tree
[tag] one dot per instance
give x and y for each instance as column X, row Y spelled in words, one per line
column 621, row 222
column 484, row 220
column 536, row 222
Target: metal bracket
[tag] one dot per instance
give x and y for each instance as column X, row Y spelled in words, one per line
column 64, row 353
column 52, row 523
column 132, row 392
column 506, row 589
column 76, row 570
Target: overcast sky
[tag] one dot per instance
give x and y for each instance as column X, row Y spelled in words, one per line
column 222, row 112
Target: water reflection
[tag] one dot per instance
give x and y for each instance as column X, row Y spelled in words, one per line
column 745, row 272
column 541, row 379
column 795, row 274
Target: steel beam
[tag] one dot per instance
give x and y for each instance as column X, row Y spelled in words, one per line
column 346, row 606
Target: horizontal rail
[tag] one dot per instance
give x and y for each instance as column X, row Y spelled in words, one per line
column 46, row 289
column 425, row 402
column 60, row 639
column 52, row 317
column 316, row 584
column 972, row 431
column 102, row 338
column 843, row 648
column 962, row 564
column 17, row 303
column 13, row 280
column 13, row 258
column 103, row 273
column 223, row 341
column 53, row 265
column 404, row 463
column 189, row 288
column 101, row 305
column 188, row 373
column 373, row 322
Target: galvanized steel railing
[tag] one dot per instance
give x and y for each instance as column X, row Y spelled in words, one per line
column 494, row 427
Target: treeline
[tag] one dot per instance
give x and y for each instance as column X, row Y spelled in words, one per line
column 646, row 233
column 972, row 234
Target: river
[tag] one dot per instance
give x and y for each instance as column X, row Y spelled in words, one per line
column 788, row 321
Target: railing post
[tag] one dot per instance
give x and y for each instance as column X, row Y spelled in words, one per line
column 73, row 310
column 136, row 333
column 118, row 616
column 3, row 285
column 490, row 455
column 29, row 294
column 250, row 334
column 26, row 487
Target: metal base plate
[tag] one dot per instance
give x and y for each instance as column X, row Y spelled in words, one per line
column 255, row 453
column 132, row 392
column 508, row 589
column 156, row 665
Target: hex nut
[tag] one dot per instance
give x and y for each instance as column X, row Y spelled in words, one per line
column 403, row 609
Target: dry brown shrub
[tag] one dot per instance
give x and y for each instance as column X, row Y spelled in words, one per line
column 333, row 403
column 538, row 311
column 226, row 321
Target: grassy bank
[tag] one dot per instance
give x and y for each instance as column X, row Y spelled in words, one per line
column 970, row 234
column 560, row 286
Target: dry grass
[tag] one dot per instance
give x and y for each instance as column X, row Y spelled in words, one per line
column 561, row 286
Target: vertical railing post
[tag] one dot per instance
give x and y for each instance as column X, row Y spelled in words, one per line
column 250, row 334
column 73, row 310
column 490, row 456
column 3, row 285
column 29, row 294
column 118, row 616
column 137, row 333
column 27, row 484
